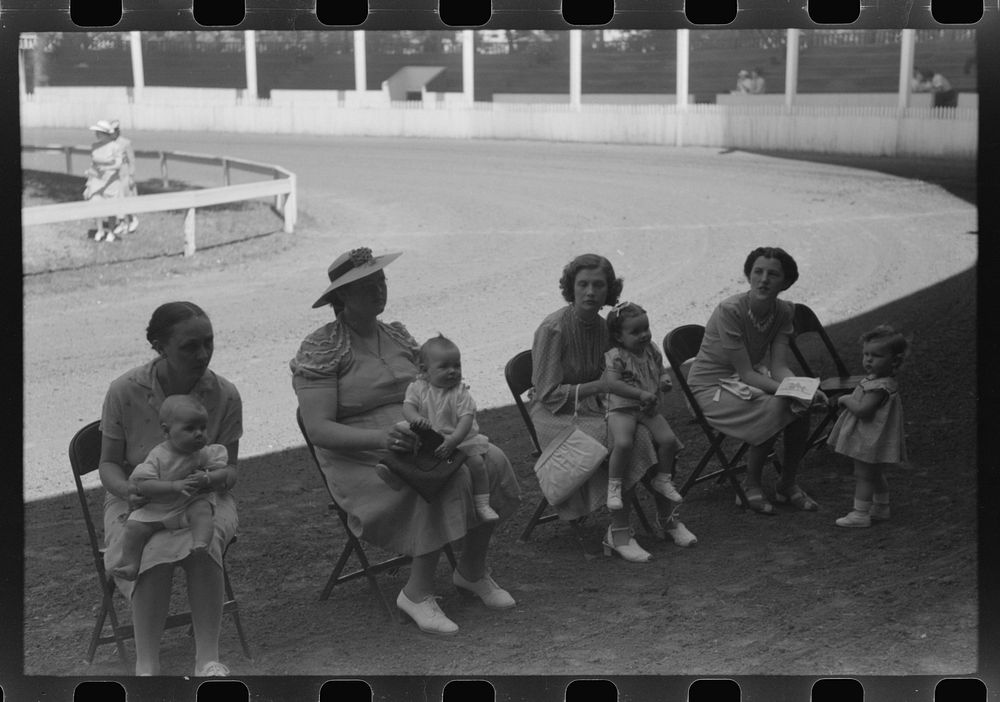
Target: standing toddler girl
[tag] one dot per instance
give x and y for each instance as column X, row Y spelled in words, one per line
column 635, row 377
column 870, row 427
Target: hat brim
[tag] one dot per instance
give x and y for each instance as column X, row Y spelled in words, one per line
column 350, row 276
column 102, row 129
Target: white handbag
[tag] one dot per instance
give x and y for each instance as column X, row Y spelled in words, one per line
column 569, row 460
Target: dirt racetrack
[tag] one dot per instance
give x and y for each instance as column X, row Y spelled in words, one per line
column 485, row 228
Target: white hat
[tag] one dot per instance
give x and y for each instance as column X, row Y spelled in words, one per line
column 102, row 125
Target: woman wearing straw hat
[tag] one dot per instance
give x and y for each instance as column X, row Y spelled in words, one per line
column 350, row 377
column 104, row 177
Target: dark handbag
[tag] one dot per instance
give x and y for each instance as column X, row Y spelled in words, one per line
column 423, row 471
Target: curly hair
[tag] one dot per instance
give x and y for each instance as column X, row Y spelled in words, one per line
column 166, row 317
column 788, row 265
column 887, row 336
column 590, row 261
column 617, row 316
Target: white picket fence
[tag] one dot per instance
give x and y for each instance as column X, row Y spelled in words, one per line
column 281, row 186
column 849, row 129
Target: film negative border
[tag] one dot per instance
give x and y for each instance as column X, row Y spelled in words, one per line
column 133, row 15
column 32, row 15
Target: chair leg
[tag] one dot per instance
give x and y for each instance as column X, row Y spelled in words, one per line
column 337, row 569
column 119, row 642
column 98, row 628
column 366, row 567
column 640, row 514
column 535, row 519
column 235, row 611
column 450, row 554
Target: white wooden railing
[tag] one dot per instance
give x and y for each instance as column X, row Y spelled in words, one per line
column 282, row 187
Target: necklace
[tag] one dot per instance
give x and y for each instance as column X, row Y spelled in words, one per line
column 365, row 343
column 763, row 323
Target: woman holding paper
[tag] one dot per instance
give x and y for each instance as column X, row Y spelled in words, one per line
column 742, row 361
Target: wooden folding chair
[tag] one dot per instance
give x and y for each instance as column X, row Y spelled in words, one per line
column 680, row 345
column 804, row 322
column 354, row 546
column 85, row 457
column 518, row 375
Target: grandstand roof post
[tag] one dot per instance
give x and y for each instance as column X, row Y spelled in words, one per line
column 138, row 75
column 360, row 77
column 683, row 44
column 575, row 67
column 791, row 65
column 250, row 49
column 683, row 51
column 907, row 45
column 468, row 70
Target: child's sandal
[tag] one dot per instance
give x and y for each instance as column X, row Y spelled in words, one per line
column 797, row 498
column 756, row 501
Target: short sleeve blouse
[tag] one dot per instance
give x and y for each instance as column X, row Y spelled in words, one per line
column 325, row 359
column 132, row 406
column 729, row 329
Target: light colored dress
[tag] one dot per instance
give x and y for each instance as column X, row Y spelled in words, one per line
column 131, row 414
column 878, row 439
column 752, row 415
column 443, row 407
column 104, row 175
column 641, row 371
column 127, row 170
column 166, row 463
column 567, row 351
column 370, row 389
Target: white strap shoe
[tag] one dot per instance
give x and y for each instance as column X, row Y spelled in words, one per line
column 492, row 595
column 426, row 614
column 630, row 550
column 212, row 669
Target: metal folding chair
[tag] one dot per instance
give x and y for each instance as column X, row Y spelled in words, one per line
column 85, row 457
column 354, row 546
column 805, row 322
column 518, row 375
column 680, row 345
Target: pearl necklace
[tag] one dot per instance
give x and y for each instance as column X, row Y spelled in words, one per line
column 763, row 324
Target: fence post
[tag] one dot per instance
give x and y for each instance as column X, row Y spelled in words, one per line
column 163, row 170
column 277, row 198
column 291, row 206
column 225, row 171
column 189, row 246
column 68, row 150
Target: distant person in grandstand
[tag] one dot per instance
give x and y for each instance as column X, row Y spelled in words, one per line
column 743, row 81
column 127, row 174
column 930, row 81
column 104, row 178
column 757, row 82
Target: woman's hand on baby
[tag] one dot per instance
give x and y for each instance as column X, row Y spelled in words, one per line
column 134, row 499
column 400, row 438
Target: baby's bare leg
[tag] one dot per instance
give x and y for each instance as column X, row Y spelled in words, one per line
column 481, row 488
column 200, row 516
column 133, row 541
column 480, row 480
